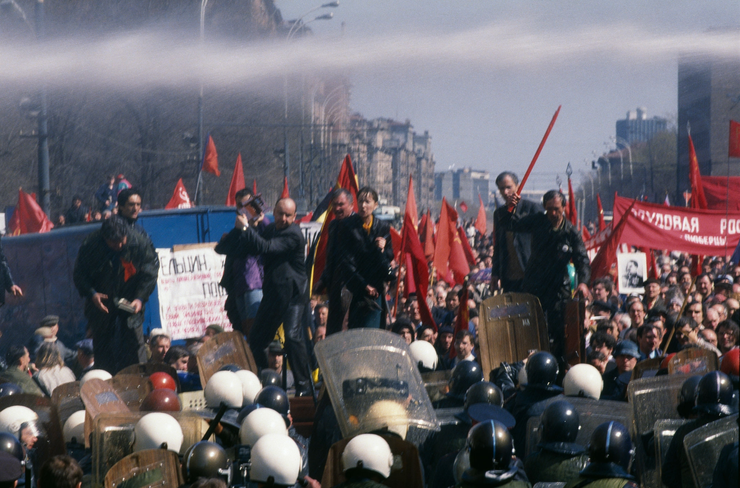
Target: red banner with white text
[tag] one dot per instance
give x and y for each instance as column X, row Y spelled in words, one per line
column 695, row 231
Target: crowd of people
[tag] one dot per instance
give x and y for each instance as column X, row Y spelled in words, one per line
column 534, row 249
column 103, row 204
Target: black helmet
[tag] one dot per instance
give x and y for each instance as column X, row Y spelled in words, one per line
column 246, row 411
column 275, row 398
column 7, row 389
column 687, row 396
column 611, row 443
column 230, row 367
column 10, row 444
column 542, row 369
column 490, row 446
column 465, row 375
column 270, row 377
column 714, row 394
column 205, row 460
column 559, row 423
column 484, row 392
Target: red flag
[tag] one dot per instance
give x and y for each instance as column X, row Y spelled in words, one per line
column 416, row 265
column 210, row 158
column 572, row 214
column 442, row 247
column 306, row 218
column 607, row 254
column 602, row 222
column 28, row 217
column 462, row 321
column 254, row 186
column 480, row 221
column 426, row 231
column 180, row 198
column 237, row 182
column 697, row 190
column 464, row 206
column 348, row 181
column 586, row 235
column 449, row 256
column 396, row 242
column 734, row 148
column 411, row 204
column 469, row 256
column 286, row 189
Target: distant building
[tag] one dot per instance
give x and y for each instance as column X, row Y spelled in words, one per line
column 462, row 185
column 708, row 97
column 636, row 127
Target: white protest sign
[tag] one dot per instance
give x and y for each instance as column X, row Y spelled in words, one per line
column 190, row 297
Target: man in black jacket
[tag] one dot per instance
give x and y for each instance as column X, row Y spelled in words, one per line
column 511, row 250
column 282, row 246
column 116, row 263
column 6, row 279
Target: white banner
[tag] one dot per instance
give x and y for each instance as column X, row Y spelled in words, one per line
column 190, row 297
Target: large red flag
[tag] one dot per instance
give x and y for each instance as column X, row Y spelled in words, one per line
column 572, row 215
column 416, row 265
column 734, row 148
column 210, row 158
column 480, row 221
column 449, row 256
column 286, row 189
column 602, row 263
column 396, row 241
column 411, row 204
column 698, row 199
column 469, row 256
column 180, row 198
column 426, row 232
column 28, row 217
column 237, row 182
column 443, row 244
column 602, row 222
column 462, row 321
column 347, row 180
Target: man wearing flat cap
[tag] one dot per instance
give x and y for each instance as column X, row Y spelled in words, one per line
column 626, row 355
column 47, row 332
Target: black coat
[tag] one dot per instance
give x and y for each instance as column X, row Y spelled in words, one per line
column 522, row 240
column 6, row 280
column 362, row 263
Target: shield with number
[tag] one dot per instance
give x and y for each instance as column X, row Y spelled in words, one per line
column 511, row 325
column 591, row 414
column 374, row 384
column 703, row 447
column 153, row 467
column 48, row 429
column 223, row 349
column 694, row 360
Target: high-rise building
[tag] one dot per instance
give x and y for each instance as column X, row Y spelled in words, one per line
column 636, row 127
column 462, row 185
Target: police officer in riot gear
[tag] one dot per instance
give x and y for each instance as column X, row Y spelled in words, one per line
column 559, row 458
column 465, row 375
column 366, row 460
column 713, row 401
column 610, row 454
column 205, row 460
column 687, row 398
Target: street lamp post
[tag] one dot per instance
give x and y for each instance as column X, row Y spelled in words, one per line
column 201, row 142
column 620, row 140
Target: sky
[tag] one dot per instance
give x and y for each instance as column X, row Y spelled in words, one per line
column 484, row 77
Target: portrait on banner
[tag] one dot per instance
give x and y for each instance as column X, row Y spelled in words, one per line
column 632, row 267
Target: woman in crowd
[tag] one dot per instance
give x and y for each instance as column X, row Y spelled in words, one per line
column 52, row 371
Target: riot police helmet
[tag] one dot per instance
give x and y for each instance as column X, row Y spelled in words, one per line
column 7, row 389
column 687, row 396
column 155, row 429
column 246, row 411
column 251, row 385
column 226, row 387
column 161, row 380
column 368, row 452
column 611, row 444
column 230, row 367
column 424, row 356
column 261, row 422
column 583, row 380
column 542, row 369
column 484, row 392
column 74, row 428
column 465, row 375
column 276, row 460
column 275, row 398
column 270, row 377
column 559, row 423
column 490, row 446
column 205, row 460
column 714, row 395
column 161, row 400
column 100, row 374
column 10, row 444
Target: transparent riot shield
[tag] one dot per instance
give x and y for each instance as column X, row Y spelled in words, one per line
column 436, row 383
column 406, row 471
column 373, row 383
column 651, row 399
column 511, row 325
column 646, row 368
column 575, row 319
column 663, row 433
column 154, row 467
column 113, row 438
column 704, row 445
column 99, row 397
column 693, row 360
column 147, row 369
column 222, row 349
column 66, row 398
column 591, row 414
column 49, row 431
column 549, row 484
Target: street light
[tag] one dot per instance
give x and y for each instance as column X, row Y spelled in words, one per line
column 201, row 142
column 620, row 140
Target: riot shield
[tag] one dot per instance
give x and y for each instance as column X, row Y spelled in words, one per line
column 575, row 319
column 50, row 439
column 549, row 484
column 132, row 388
column 147, row 369
column 646, row 368
column 113, row 438
column 693, row 360
column 66, row 398
column 373, row 382
column 99, row 397
column 154, row 467
column 436, row 383
column 591, row 414
column 663, row 433
column 222, row 349
column 405, row 473
column 704, row 445
column 511, row 325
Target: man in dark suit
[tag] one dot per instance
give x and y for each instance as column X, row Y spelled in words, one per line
column 6, row 279
column 511, row 250
column 281, row 245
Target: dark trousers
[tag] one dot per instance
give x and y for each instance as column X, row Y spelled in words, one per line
column 336, row 310
column 273, row 312
column 118, row 338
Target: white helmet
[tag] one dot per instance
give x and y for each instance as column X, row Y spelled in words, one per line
column 261, row 422
column 583, row 380
column 276, row 460
column 387, row 413
column 424, row 354
column 368, row 451
column 155, row 428
column 100, row 374
column 13, row 417
column 250, row 386
column 224, row 386
column 74, row 428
